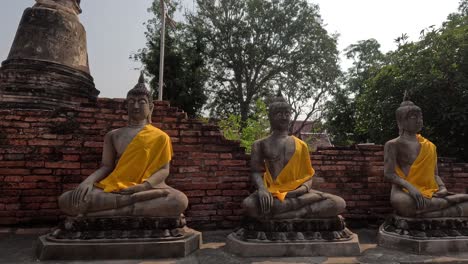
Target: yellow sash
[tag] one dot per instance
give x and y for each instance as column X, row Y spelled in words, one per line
column 297, row 171
column 149, row 150
column 421, row 173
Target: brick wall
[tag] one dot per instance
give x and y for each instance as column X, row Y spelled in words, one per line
column 356, row 174
column 44, row 153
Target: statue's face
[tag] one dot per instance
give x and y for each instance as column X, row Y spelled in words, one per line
column 280, row 118
column 138, row 107
column 413, row 122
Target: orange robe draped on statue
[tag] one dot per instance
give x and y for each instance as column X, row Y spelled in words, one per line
column 297, row 171
column 149, row 150
column 422, row 172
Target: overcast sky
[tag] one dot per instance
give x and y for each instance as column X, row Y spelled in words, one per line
column 115, row 30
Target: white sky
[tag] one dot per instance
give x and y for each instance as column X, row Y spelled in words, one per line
column 114, row 30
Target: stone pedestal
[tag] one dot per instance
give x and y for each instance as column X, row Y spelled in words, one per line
column 292, row 249
column 118, row 248
column 425, row 236
column 293, row 238
column 119, row 238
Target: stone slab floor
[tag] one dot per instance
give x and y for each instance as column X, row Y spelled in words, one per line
column 17, row 246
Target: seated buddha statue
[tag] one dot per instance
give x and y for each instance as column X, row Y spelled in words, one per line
column 135, row 165
column 282, row 174
column 411, row 166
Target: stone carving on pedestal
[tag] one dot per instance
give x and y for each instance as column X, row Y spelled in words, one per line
column 285, row 216
column 126, row 198
column 47, row 66
column 428, row 218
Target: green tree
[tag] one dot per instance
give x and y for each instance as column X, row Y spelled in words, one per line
column 184, row 67
column 255, row 47
column 341, row 112
column 256, row 126
column 434, row 70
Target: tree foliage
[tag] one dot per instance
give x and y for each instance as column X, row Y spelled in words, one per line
column 341, row 112
column 256, row 126
column 253, row 47
column 434, row 70
column 184, row 67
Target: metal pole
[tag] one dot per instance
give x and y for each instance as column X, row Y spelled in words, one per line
column 161, row 52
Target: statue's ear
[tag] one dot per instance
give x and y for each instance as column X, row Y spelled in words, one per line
column 150, row 115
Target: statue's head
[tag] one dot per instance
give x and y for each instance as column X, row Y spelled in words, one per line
column 72, row 6
column 140, row 101
column 409, row 117
column 279, row 112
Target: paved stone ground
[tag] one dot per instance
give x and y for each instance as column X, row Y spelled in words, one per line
column 17, row 246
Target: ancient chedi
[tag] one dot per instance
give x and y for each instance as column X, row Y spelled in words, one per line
column 127, row 197
column 47, row 66
column 285, row 216
column 428, row 218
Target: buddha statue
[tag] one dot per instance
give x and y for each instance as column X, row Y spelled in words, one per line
column 411, row 166
column 135, row 165
column 285, row 217
column 282, row 174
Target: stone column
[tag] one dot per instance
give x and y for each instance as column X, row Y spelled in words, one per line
column 47, row 66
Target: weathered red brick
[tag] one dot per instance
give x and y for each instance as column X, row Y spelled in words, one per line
column 8, row 171
column 226, row 156
column 41, row 171
column 49, row 206
column 224, row 212
column 45, row 150
column 45, row 142
column 195, row 193
column 62, row 165
column 211, row 162
column 41, row 178
column 14, row 124
column 232, row 163
column 216, row 199
column 13, row 179
column 189, row 169
column 190, row 140
column 73, row 143
column 185, row 148
column 93, row 144
column 87, row 172
column 70, row 157
column 201, row 213
column 190, row 133
column 236, row 192
column 9, row 164
column 213, row 192
column 202, row 207
column 35, row 164
column 12, row 206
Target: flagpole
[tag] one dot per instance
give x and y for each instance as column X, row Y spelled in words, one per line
column 161, row 52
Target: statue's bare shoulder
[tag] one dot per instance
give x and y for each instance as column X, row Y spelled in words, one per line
column 258, row 155
column 260, row 143
column 261, row 146
column 391, row 145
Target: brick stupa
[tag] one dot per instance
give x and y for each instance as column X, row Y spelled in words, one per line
column 47, row 66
